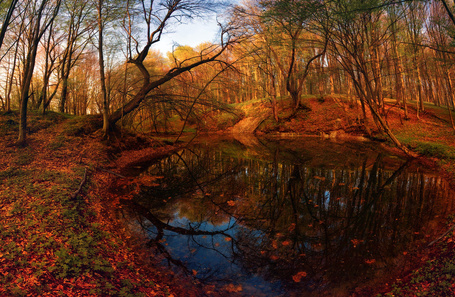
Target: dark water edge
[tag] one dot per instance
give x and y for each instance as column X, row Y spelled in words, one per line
column 289, row 217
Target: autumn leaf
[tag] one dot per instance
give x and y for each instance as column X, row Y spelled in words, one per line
column 194, row 272
column 370, row 261
column 291, row 227
column 231, row 288
column 274, row 244
column 286, row 243
column 231, row 203
column 298, row 277
column 356, row 242
column 227, row 239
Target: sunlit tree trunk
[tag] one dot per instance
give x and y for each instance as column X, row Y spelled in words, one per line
column 35, row 32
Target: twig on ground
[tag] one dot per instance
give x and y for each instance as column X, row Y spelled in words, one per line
column 442, row 236
column 84, row 179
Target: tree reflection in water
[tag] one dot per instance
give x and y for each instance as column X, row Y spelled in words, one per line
column 258, row 218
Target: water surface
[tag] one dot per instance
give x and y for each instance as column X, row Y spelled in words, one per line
column 288, row 217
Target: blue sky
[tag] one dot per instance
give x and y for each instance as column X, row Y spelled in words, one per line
column 192, row 34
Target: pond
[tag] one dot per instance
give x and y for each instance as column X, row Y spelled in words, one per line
column 288, row 217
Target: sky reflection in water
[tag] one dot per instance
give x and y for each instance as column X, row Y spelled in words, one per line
column 275, row 218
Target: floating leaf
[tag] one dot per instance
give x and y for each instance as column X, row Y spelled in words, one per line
column 274, row 257
column 231, row 288
column 356, row 242
column 370, row 261
column 298, row 277
column 231, row 203
column 274, row 244
column 291, row 227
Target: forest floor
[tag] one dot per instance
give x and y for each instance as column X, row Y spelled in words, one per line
column 61, row 236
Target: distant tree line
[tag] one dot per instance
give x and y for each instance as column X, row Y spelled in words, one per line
column 98, row 57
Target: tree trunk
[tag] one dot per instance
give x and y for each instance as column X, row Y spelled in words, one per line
column 102, row 72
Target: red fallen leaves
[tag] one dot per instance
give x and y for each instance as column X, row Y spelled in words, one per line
column 298, row 277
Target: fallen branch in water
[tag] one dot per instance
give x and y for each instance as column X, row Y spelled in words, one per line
column 112, row 172
column 442, row 236
column 84, row 179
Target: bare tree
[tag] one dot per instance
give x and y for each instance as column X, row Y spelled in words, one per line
column 351, row 41
column 292, row 21
column 78, row 33
column 157, row 16
column 6, row 22
column 41, row 16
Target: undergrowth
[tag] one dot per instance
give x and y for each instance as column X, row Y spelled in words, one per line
column 48, row 238
column 435, row 278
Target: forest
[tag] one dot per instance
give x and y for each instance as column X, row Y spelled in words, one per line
column 85, row 57
column 89, row 103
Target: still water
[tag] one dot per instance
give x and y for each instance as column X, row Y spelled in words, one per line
column 275, row 217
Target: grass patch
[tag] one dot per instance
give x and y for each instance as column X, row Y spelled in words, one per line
column 430, row 149
column 57, row 143
column 438, row 150
column 434, row 278
column 24, row 156
column 83, row 125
